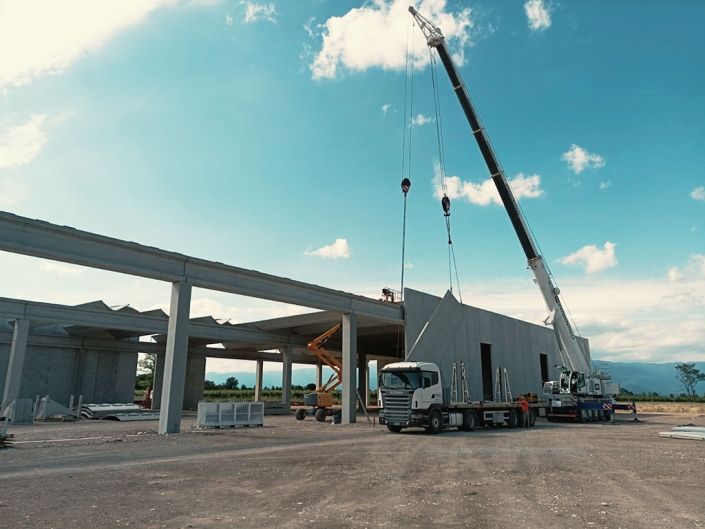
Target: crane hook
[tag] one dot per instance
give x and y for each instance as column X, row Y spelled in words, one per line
column 405, row 185
column 445, row 202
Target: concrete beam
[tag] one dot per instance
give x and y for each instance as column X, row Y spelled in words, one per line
column 349, row 368
column 16, row 364
column 176, row 359
column 147, row 324
column 59, row 243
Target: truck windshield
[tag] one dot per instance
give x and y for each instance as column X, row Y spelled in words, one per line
column 400, row 380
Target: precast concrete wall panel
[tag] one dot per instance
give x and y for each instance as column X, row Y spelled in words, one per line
column 86, row 381
column 4, row 363
column 454, row 332
column 60, row 376
column 195, row 377
column 126, row 377
column 105, row 378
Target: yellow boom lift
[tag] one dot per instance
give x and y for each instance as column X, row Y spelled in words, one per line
column 321, row 400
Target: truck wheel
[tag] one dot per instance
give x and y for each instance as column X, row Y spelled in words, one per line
column 469, row 421
column 300, row 414
column 583, row 417
column 394, row 429
column 532, row 419
column 513, row 421
column 435, row 422
column 321, row 414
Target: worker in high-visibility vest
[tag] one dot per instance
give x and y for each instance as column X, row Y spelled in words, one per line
column 524, row 411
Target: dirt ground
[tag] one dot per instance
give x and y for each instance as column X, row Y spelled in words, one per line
column 321, row 475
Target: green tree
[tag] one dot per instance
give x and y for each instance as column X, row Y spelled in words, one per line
column 147, row 365
column 231, row 383
column 209, row 384
column 689, row 376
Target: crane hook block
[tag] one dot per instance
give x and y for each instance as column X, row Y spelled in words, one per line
column 445, row 202
column 405, row 185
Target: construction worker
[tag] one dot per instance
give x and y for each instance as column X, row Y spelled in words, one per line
column 524, row 411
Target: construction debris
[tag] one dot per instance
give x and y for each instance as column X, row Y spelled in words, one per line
column 685, row 432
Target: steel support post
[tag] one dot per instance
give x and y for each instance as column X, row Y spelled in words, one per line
column 15, row 366
column 349, row 367
column 176, row 358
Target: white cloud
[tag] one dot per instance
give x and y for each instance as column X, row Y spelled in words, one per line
column 592, row 258
column 698, row 193
column 485, row 193
column 692, row 271
column 12, row 192
column 255, row 12
column 605, row 185
column 538, row 14
column 228, row 20
column 61, row 269
column 385, row 107
column 409, row 266
column 46, row 36
column 338, row 249
column 22, row 143
column 578, row 159
column 375, row 35
column 420, row 120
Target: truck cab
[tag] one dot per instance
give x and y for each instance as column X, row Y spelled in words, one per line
column 408, row 391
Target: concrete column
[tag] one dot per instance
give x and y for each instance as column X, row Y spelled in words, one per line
column 286, row 375
column 319, row 375
column 349, row 367
column 176, row 355
column 363, row 379
column 259, row 370
column 158, row 382
column 15, row 366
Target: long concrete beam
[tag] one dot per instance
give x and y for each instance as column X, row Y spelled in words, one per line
column 144, row 323
column 60, row 243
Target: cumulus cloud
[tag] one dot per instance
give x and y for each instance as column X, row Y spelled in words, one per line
column 338, row 249
column 578, row 159
column 375, row 36
column 228, row 20
column 693, row 270
column 538, row 15
column 485, row 193
column 61, row 269
column 420, row 120
column 698, row 193
column 593, row 258
column 12, row 192
column 46, row 36
column 255, row 12
column 20, row 144
column 385, row 107
column 605, row 185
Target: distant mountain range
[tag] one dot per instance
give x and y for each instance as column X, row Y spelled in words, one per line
column 636, row 377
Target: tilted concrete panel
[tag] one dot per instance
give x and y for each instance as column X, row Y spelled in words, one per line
column 452, row 332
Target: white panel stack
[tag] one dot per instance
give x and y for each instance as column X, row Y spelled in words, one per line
column 216, row 414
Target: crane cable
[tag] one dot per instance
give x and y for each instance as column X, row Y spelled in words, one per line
column 406, row 173
column 445, row 201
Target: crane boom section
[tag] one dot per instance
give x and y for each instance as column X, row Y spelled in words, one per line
column 566, row 337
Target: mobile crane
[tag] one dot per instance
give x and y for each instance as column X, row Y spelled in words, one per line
column 581, row 393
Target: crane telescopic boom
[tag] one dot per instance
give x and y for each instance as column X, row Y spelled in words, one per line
column 571, row 352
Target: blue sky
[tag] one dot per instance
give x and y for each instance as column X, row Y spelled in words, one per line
column 269, row 136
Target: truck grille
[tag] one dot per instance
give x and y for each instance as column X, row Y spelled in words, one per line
column 397, row 407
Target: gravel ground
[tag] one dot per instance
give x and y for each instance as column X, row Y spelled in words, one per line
column 320, row 475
